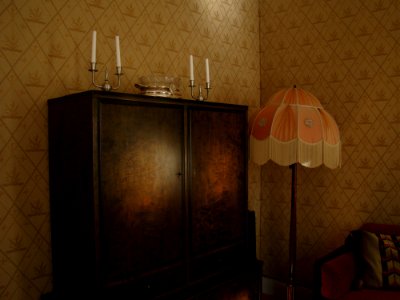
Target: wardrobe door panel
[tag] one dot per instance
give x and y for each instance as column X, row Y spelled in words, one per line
column 218, row 179
column 142, row 209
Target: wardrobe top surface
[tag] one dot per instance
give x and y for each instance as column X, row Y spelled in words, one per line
column 145, row 98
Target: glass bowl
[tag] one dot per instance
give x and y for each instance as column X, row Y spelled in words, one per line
column 160, row 85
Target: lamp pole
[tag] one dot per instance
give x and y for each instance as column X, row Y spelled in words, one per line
column 292, row 236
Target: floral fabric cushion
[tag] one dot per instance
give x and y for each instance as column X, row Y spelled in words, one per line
column 381, row 260
column 371, row 274
column 389, row 246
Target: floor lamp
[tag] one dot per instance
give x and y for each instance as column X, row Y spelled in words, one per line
column 293, row 128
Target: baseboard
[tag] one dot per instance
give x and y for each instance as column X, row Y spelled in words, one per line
column 277, row 289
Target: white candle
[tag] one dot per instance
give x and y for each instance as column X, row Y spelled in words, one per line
column 191, row 67
column 93, row 60
column 207, row 71
column 117, row 51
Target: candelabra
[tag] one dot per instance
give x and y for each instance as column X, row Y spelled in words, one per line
column 200, row 94
column 106, row 85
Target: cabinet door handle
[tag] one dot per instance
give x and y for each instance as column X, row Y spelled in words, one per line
column 179, row 174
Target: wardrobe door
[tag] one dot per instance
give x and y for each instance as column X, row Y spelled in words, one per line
column 141, row 194
column 218, row 187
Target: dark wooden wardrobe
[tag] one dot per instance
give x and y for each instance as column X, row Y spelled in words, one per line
column 149, row 199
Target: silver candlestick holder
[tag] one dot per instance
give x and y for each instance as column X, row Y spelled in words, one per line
column 200, row 96
column 106, row 85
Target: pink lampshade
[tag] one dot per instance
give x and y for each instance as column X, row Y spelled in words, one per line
column 293, row 127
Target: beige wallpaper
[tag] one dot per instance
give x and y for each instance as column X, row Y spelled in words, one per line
column 347, row 53
column 45, row 52
column 344, row 52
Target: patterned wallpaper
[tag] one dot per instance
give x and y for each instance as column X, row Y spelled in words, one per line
column 344, row 52
column 45, row 52
column 347, row 53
